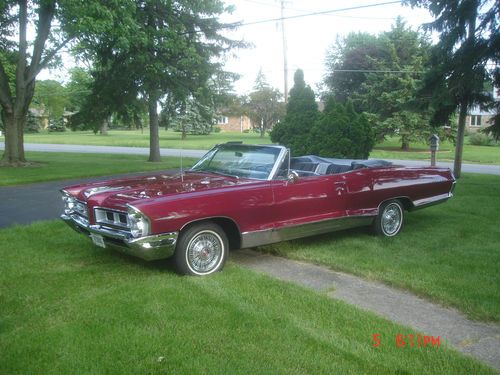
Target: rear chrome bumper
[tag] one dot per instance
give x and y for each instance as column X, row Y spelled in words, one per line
column 153, row 247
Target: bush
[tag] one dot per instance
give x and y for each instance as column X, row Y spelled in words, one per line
column 32, row 124
column 480, row 139
column 340, row 132
column 301, row 114
column 56, row 125
column 216, row 129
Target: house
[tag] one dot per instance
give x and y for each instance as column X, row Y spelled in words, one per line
column 41, row 115
column 478, row 119
column 232, row 123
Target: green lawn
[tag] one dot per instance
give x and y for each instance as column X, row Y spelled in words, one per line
column 448, row 253
column 61, row 166
column 68, row 307
column 136, row 138
column 389, row 149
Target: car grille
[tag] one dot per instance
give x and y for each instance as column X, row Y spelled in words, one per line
column 111, row 217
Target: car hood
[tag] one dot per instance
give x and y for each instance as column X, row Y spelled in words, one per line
column 118, row 193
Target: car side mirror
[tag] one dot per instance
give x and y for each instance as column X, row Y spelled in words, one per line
column 292, row 177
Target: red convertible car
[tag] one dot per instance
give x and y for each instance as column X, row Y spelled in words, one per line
column 240, row 196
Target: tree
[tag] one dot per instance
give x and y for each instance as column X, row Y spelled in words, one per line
column 170, row 51
column 30, row 57
column 301, row 114
column 193, row 118
column 381, row 75
column 340, row 132
column 51, row 97
column 469, row 40
column 78, row 88
column 348, row 63
column 264, row 105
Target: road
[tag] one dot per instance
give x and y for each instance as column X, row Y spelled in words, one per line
column 470, row 168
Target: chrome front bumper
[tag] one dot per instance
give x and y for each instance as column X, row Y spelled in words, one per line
column 148, row 248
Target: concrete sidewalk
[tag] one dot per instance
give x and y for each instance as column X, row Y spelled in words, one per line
column 45, row 147
column 480, row 340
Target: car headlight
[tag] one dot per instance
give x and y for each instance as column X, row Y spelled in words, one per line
column 138, row 222
column 69, row 203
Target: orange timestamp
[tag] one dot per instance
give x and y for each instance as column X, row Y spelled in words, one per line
column 409, row 340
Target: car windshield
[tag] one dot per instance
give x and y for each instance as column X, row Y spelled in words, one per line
column 241, row 161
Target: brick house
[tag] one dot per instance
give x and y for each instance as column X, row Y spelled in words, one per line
column 233, row 123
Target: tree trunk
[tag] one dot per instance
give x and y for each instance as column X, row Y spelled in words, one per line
column 14, row 140
column 154, row 137
column 405, row 145
column 459, row 148
column 104, row 127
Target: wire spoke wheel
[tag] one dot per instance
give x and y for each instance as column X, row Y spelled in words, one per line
column 204, row 251
column 390, row 218
column 201, row 249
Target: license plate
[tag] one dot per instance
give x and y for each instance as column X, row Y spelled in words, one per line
column 97, row 240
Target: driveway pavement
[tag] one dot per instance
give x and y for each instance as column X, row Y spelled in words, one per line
column 24, row 204
column 471, row 168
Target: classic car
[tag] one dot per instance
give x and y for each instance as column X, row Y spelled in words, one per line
column 241, row 196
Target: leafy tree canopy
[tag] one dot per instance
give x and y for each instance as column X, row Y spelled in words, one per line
column 51, row 98
column 264, row 105
column 468, row 44
column 56, row 25
column 167, row 52
column 381, row 75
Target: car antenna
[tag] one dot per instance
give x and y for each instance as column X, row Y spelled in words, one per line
column 182, row 172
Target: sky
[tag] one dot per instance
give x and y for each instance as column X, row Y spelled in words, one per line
column 307, row 38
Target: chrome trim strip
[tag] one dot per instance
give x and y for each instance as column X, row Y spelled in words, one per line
column 277, row 164
column 158, row 246
column 268, row 236
column 420, row 203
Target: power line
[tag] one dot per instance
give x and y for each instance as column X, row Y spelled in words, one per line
column 276, row 6
column 376, row 71
column 310, row 14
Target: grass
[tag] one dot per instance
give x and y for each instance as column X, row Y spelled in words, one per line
column 61, row 166
column 389, row 149
column 136, row 138
column 447, row 253
column 68, row 307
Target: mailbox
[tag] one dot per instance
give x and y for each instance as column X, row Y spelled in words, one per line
column 434, row 142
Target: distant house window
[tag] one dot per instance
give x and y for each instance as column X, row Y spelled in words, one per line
column 223, row 120
column 475, row 120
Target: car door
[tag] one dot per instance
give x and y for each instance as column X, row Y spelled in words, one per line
column 309, row 199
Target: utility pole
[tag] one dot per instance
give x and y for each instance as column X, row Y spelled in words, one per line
column 285, row 61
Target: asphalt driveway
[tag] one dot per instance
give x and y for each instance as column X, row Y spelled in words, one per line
column 24, row 204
